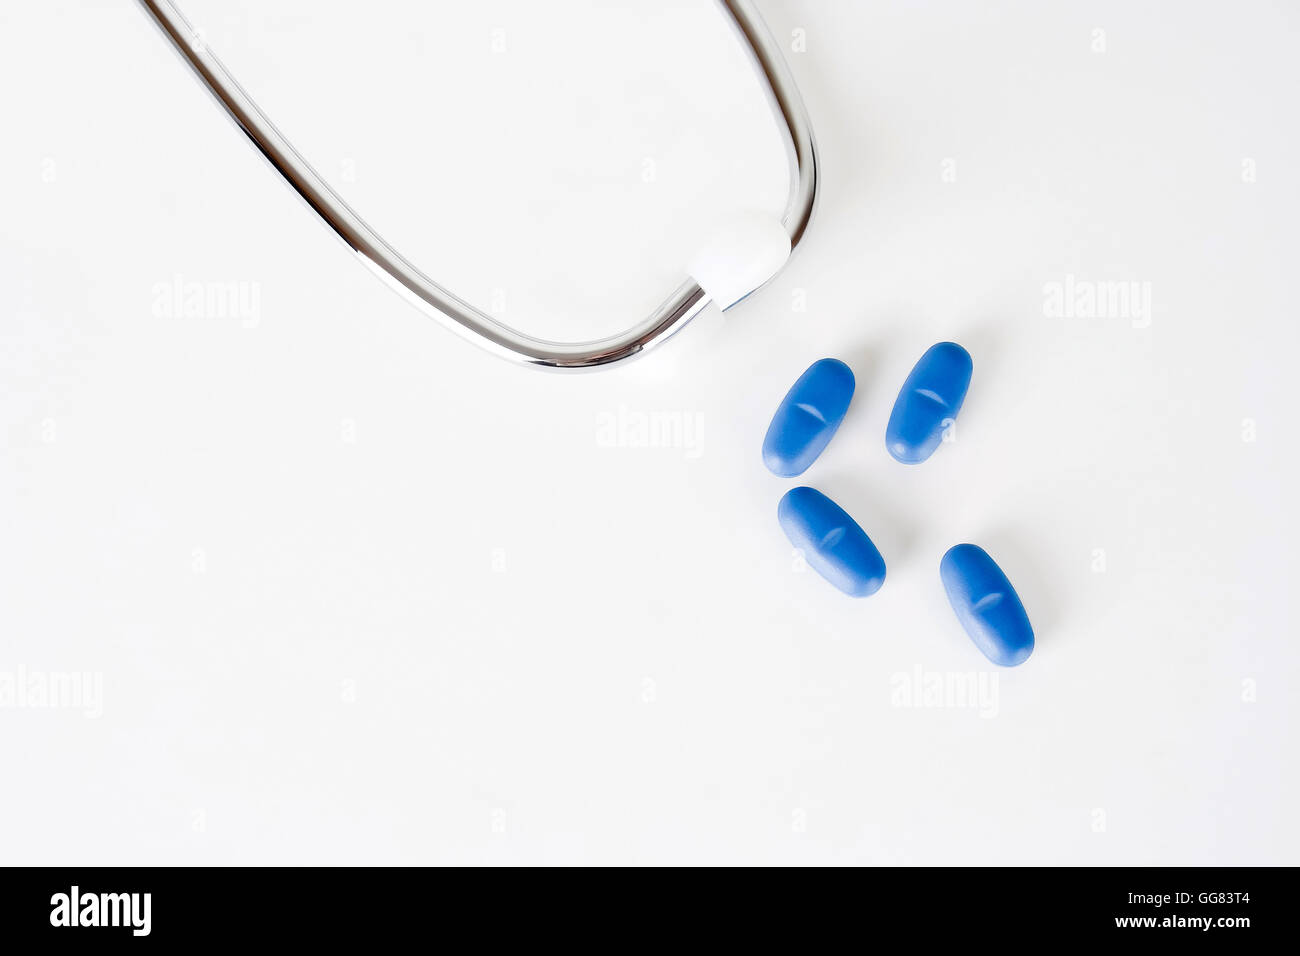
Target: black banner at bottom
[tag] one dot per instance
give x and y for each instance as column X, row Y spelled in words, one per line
column 374, row 906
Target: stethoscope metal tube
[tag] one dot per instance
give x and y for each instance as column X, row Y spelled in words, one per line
column 458, row 315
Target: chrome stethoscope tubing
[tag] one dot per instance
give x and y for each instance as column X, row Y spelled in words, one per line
column 455, row 313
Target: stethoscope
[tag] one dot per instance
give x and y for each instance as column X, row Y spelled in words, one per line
column 762, row 260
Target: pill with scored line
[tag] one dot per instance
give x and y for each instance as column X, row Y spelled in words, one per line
column 807, row 418
column 833, row 544
column 928, row 403
column 987, row 605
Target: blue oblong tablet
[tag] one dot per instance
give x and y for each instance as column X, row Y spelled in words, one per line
column 987, row 605
column 928, row 402
column 834, row 545
column 807, row 417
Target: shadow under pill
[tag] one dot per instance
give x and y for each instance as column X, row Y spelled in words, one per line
column 876, row 514
column 1029, row 571
column 980, row 338
column 867, row 359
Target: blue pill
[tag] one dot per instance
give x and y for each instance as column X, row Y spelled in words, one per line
column 928, row 403
column 987, row 605
column 833, row 543
column 807, row 418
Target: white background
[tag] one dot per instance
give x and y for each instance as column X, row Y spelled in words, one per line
column 357, row 592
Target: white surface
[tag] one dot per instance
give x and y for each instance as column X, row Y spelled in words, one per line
column 354, row 591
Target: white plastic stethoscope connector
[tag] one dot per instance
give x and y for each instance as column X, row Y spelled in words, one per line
column 741, row 256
